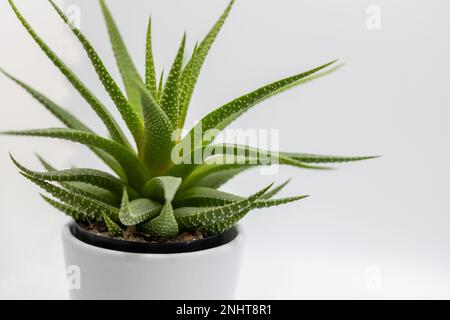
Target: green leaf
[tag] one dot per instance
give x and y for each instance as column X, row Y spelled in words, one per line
column 136, row 173
column 204, row 197
column 160, row 86
column 129, row 114
column 194, row 66
column 113, row 128
column 163, row 226
column 223, row 116
column 185, row 78
column 150, row 72
column 169, row 101
column 275, row 190
column 60, row 113
column 266, row 203
column 47, row 166
column 202, row 217
column 137, row 211
column 67, row 119
column 113, row 228
column 84, row 189
column 157, row 143
column 90, row 176
column 224, row 224
column 72, row 212
column 127, row 69
column 246, row 155
column 92, row 192
column 90, row 207
column 314, row 158
column 212, row 175
column 162, row 189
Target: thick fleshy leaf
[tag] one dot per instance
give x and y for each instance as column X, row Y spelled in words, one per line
column 150, row 71
column 82, row 188
column 127, row 69
column 267, row 203
column 92, row 192
column 92, row 208
column 246, row 155
column 315, row 158
column 194, row 66
column 113, row 228
column 202, row 217
column 157, row 143
column 60, row 113
column 204, row 197
column 160, row 86
column 47, row 166
column 90, row 176
column 138, row 210
column 162, row 189
column 224, row 224
column 217, row 179
column 163, row 226
column 131, row 117
column 136, row 173
column 72, row 212
column 223, row 116
column 112, row 126
column 68, row 120
column 169, row 100
column 275, row 190
column 212, row 175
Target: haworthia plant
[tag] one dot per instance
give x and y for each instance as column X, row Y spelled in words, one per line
column 148, row 189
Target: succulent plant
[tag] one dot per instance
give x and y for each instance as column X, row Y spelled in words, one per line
column 147, row 191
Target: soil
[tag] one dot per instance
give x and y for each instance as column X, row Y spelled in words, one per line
column 131, row 234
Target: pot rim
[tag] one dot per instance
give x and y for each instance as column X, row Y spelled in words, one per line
column 68, row 236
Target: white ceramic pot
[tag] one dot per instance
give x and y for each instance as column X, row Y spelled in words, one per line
column 98, row 273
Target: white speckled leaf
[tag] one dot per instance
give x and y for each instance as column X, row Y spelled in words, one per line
column 68, row 120
column 192, row 70
column 72, row 212
column 129, row 114
column 150, row 71
column 169, row 100
column 315, row 158
column 202, row 217
column 157, row 143
column 163, row 226
column 226, row 223
column 90, row 207
column 112, row 126
column 223, row 116
column 127, row 69
column 136, row 173
column 113, row 228
column 91, row 176
column 204, row 197
column 138, row 210
column 162, row 189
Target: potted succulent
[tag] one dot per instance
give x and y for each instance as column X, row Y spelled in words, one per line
column 155, row 227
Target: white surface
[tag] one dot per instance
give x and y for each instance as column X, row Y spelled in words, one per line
column 391, row 98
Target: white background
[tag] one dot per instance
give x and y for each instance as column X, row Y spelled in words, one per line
column 378, row 229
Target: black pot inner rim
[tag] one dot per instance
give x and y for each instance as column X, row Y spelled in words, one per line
column 163, row 248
